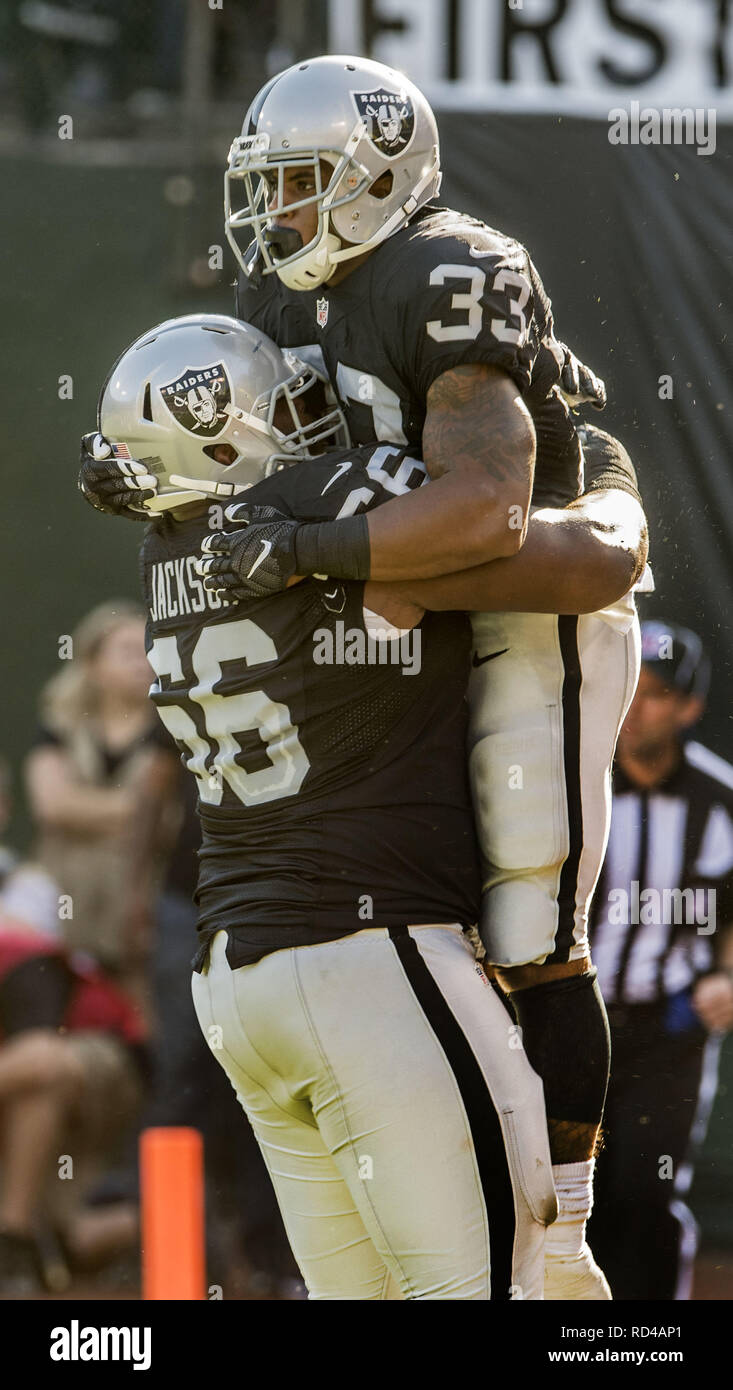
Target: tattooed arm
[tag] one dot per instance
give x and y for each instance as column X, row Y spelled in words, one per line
column 479, row 447
column 578, row 559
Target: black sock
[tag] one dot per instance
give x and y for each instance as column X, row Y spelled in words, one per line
column 565, row 1036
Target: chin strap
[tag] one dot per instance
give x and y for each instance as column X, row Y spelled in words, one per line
column 253, row 265
column 314, row 270
column 397, row 220
column 192, row 490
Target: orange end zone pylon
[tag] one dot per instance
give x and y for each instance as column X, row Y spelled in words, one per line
column 172, row 1214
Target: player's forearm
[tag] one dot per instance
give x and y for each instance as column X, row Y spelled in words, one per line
column 570, row 563
column 477, row 505
column 462, row 519
column 479, row 445
column 479, row 437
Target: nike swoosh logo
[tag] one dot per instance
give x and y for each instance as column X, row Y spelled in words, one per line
column 477, row 253
column 341, row 468
column 333, row 595
column 479, row 660
column 266, row 548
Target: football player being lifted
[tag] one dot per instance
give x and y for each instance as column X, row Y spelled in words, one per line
column 321, row 782
column 437, row 333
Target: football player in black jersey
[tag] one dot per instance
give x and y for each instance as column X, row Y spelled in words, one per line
column 405, row 1138
column 437, row 333
column 583, row 547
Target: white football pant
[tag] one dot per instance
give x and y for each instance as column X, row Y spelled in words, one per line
column 401, row 1124
column 548, row 696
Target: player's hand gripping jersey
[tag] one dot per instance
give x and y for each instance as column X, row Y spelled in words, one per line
column 300, row 730
column 445, row 291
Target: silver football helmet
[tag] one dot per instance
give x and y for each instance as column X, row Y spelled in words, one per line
column 192, row 384
column 351, row 121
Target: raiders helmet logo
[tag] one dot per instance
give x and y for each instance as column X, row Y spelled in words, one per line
column 390, row 120
column 197, row 400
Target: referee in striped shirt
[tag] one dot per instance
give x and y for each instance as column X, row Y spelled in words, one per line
column 662, row 943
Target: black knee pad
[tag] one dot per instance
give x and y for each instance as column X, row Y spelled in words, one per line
column 565, row 1036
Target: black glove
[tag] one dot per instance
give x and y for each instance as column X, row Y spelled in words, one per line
column 113, row 485
column 579, row 385
column 259, row 560
column 254, row 561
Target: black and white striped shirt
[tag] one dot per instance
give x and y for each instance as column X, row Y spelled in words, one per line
column 666, row 889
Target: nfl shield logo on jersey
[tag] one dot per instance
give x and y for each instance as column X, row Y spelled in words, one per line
column 322, row 312
column 198, row 398
column 389, row 117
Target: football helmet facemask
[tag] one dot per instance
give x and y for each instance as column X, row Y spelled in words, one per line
column 353, row 117
column 195, row 383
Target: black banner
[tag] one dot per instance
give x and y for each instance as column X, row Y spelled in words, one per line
column 634, row 246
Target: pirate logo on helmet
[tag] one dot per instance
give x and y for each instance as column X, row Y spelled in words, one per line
column 198, row 398
column 389, row 117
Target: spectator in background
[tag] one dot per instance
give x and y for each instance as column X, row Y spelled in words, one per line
column 86, row 779
column 118, row 832
column 27, row 892
column 73, row 1069
column 665, row 965
column 247, row 1246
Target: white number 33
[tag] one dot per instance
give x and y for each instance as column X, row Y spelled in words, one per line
column 471, row 300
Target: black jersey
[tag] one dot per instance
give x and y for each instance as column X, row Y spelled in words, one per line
column 331, row 770
column 444, row 291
